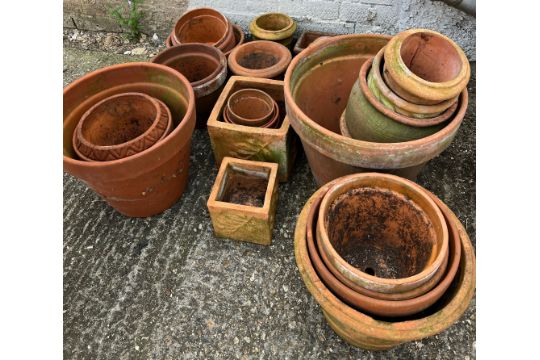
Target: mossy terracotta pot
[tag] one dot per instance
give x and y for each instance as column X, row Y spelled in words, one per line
column 393, row 102
column 374, row 333
column 205, row 26
column 315, row 110
column 262, row 59
column 120, row 126
column 152, row 180
column 205, row 67
column 277, row 27
column 369, row 120
column 382, row 232
column 307, row 38
column 251, row 107
column 425, row 67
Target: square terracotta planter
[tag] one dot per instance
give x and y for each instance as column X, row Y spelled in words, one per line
column 242, row 203
column 253, row 143
column 306, row 38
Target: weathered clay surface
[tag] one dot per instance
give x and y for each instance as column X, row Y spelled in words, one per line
column 277, row 27
column 306, row 38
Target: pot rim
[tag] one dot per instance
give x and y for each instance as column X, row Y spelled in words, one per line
column 205, row 11
column 359, row 152
column 410, row 190
column 396, row 100
column 392, row 333
column 181, row 127
column 414, row 84
column 272, row 35
column 237, row 30
column 262, row 94
column 269, row 72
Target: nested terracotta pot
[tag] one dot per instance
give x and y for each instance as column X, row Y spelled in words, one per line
column 276, row 27
column 374, row 333
column 393, row 102
column 425, row 67
column 315, row 110
column 205, row 67
column 251, row 107
column 368, row 222
column 370, row 302
column 206, row 26
column 120, row 126
column 150, row 181
column 261, row 59
column 369, row 120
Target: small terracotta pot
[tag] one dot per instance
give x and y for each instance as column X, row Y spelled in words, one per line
column 361, row 330
column 206, row 26
column 393, row 102
column 369, row 120
column 425, row 67
column 262, row 59
column 251, row 107
column 385, row 308
column 205, row 67
column 367, row 223
column 120, row 126
column 277, row 27
column 150, row 181
column 307, row 38
column 239, row 38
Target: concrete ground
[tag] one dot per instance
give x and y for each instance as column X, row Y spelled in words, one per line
column 166, row 288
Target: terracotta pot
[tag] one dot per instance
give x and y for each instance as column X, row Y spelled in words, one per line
column 364, row 331
column 314, row 112
column 272, row 123
column 251, row 107
column 239, row 38
column 393, row 102
column 369, row 120
column 262, row 59
column 120, row 126
column 307, row 38
column 367, row 223
column 386, row 308
column 425, row 67
column 206, row 26
column 277, row 27
column 168, row 41
column 206, row 69
column 151, row 181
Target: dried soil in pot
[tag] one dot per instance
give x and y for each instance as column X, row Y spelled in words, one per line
column 244, row 188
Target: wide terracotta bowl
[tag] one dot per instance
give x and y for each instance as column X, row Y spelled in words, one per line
column 373, row 333
column 120, row 126
column 367, row 222
column 261, row 59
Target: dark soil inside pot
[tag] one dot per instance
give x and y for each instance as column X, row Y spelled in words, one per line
column 380, row 232
column 258, row 60
column 194, row 67
column 244, row 187
column 119, row 120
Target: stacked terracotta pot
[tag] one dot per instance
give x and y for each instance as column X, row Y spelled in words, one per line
column 409, row 90
column 387, row 261
column 251, row 107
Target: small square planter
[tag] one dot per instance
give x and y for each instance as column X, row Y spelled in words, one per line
column 253, row 143
column 242, row 203
column 306, row 38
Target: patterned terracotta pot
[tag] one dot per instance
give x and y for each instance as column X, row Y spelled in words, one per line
column 262, row 59
column 277, row 27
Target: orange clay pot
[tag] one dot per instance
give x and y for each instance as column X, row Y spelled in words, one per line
column 261, row 59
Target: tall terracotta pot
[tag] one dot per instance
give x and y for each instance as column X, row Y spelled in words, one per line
column 205, row 67
column 152, row 180
column 315, row 110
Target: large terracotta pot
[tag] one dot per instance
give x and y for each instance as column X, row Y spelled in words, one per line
column 362, row 330
column 277, row 27
column 393, row 102
column 205, row 26
column 315, row 110
column 205, row 67
column 425, row 67
column 261, row 59
column 150, row 181
column 369, row 120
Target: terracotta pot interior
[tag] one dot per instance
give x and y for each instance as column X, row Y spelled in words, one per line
column 244, row 186
column 195, row 67
column 251, row 105
column 256, row 58
column 119, row 120
column 372, row 228
column 204, row 29
column 273, row 22
column 431, row 57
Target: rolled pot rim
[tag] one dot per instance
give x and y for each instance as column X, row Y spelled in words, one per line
column 398, row 331
column 268, row 72
column 182, row 125
column 280, row 34
column 361, row 278
column 177, row 28
column 414, row 83
column 359, row 152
